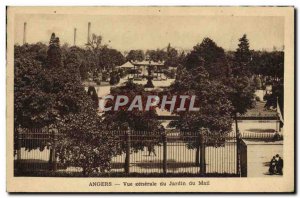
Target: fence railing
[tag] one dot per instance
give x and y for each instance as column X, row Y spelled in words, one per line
column 144, row 152
column 261, row 136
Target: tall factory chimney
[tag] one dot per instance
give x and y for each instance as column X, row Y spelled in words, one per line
column 24, row 33
column 89, row 32
column 75, row 36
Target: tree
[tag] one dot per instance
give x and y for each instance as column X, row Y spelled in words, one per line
column 100, row 57
column 93, row 48
column 181, row 58
column 241, row 88
column 275, row 96
column 211, row 74
column 77, row 58
column 210, row 56
column 137, row 121
column 37, row 51
column 215, row 107
column 95, row 43
column 54, row 54
column 32, row 106
column 242, row 57
column 172, row 57
column 242, row 53
column 114, row 78
column 241, row 93
column 74, row 56
column 53, row 96
column 157, row 55
column 267, row 63
column 135, row 55
column 110, row 58
column 278, row 93
column 30, row 102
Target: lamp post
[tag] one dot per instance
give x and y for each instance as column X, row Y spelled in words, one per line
column 202, row 151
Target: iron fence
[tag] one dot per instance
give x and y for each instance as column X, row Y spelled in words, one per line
column 143, row 153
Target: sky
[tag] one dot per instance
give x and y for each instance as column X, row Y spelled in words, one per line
column 151, row 32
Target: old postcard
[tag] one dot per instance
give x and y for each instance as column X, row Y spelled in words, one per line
column 150, row 99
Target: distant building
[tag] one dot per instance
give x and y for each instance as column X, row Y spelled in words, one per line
column 127, row 65
column 143, row 66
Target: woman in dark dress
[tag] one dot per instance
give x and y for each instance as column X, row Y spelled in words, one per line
column 272, row 168
column 279, row 165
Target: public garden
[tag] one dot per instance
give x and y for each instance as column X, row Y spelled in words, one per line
column 59, row 129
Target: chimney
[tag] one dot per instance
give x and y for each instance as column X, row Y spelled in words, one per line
column 24, row 33
column 89, row 32
column 75, row 36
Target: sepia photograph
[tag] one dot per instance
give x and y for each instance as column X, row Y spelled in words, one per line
column 150, row 99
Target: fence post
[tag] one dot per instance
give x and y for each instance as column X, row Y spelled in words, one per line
column 244, row 159
column 53, row 159
column 202, row 153
column 238, row 156
column 164, row 153
column 19, row 144
column 127, row 157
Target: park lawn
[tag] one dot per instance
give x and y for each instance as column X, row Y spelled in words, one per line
column 259, row 111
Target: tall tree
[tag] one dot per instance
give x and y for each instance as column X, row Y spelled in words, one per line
column 53, row 96
column 95, row 43
column 215, row 107
column 94, row 47
column 210, row 56
column 31, row 104
column 241, row 87
column 54, row 54
column 242, row 57
column 236, row 89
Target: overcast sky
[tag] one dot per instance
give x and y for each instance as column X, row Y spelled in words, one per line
column 152, row 32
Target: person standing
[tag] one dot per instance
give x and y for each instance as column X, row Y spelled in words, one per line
column 279, row 165
column 151, row 149
column 272, row 166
